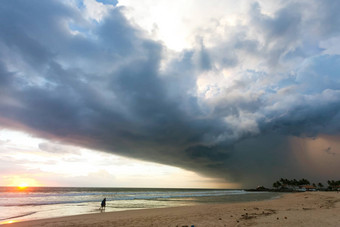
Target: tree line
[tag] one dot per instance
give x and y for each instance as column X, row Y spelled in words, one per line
column 283, row 181
column 333, row 184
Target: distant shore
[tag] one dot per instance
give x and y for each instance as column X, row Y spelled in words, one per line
column 292, row 209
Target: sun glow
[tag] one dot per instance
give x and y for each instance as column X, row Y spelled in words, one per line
column 22, row 182
column 23, row 186
column 9, row 222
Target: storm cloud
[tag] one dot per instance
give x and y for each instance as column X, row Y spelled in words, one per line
column 227, row 107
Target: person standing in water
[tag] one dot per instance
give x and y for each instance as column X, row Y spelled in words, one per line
column 103, row 204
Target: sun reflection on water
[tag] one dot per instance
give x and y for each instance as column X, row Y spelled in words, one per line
column 8, row 222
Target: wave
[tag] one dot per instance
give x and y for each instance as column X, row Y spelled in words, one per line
column 64, row 198
column 73, row 194
column 18, row 216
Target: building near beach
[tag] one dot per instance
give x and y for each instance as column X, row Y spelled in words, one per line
column 308, row 187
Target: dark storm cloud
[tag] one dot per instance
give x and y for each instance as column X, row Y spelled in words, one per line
column 98, row 84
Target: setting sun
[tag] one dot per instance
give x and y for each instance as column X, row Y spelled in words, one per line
column 23, row 185
column 22, row 182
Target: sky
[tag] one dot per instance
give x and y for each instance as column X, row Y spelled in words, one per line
column 155, row 93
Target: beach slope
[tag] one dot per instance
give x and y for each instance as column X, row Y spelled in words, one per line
column 292, row 209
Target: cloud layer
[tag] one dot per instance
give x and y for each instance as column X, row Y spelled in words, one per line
column 229, row 106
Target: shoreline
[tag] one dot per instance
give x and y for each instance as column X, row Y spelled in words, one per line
column 42, row 204
column 291, row 209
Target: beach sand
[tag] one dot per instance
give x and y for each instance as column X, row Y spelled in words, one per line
column 292, row 209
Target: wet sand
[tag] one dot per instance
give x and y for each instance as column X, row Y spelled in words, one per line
column 292, row 209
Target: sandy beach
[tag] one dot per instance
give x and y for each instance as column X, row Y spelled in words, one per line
column 292, row 209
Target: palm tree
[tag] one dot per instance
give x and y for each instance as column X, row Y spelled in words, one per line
column 295, row 182
column 304, row 181
column 276, row 184
column 282, row 181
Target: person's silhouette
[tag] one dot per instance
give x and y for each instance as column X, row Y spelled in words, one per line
column 103, row 204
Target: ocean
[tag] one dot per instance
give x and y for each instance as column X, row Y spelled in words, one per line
column 46, row 202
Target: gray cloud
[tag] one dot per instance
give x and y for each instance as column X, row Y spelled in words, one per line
column 57, row 148
column 99, row 85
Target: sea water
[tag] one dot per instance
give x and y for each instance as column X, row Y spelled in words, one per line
column 46, row 202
